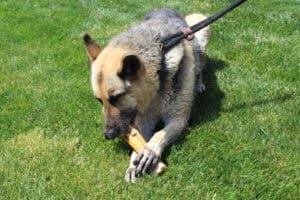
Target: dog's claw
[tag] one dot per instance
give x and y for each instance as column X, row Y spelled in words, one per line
column 146, row 160
column 130, row 175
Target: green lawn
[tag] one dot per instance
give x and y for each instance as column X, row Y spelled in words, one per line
column 243, row 141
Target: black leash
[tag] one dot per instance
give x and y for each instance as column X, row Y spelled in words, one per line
column 171, row 40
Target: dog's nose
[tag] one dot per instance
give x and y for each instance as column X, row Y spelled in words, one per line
column 111, row 133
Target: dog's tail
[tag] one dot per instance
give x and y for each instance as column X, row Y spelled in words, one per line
column 203, row 35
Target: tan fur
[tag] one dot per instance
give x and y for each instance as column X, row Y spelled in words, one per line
column 106, row 70
column 106, row 82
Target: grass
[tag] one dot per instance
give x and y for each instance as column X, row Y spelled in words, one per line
column 243, row 141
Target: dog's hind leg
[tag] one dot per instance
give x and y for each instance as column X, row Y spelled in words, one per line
column 199, row 46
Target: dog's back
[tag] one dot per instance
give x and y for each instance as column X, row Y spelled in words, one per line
column 144, row 37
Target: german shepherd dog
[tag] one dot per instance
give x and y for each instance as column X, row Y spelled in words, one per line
column 138, row 84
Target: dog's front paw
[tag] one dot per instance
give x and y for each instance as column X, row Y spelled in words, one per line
column 146, row 161
column 131, row 175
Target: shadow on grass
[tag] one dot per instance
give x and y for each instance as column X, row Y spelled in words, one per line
column 278, row 99
column 208, row 105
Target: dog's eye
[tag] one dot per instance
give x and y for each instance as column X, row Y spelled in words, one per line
column 113, row 99
column 99, row 100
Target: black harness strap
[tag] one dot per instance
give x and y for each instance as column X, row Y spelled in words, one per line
column 171, row 40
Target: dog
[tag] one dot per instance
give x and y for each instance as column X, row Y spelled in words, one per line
column 139, row 84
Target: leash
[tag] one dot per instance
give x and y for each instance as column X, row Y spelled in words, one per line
column 170, row 41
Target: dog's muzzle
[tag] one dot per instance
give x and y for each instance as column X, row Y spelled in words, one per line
column 117, row 126
column 111, row 133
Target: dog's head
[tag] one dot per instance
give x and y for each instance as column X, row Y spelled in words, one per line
column 118, row 82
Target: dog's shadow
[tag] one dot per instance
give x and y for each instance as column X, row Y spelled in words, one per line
column 208, row 105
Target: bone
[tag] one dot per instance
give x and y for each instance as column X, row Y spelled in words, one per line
column 137, row 142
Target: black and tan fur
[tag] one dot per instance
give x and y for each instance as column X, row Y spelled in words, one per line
column 138, row 84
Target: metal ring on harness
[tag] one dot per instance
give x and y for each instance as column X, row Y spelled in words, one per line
column 188, row 33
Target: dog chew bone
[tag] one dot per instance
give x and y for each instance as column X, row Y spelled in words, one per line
column 137, row 142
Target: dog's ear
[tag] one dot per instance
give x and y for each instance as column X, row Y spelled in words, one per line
column 131, row 66
column 92, row 48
